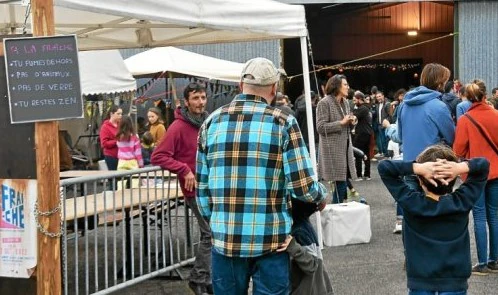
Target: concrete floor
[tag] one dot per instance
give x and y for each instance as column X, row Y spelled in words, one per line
column 373, row 268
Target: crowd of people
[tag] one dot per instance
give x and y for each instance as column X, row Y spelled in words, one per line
column 246, row 174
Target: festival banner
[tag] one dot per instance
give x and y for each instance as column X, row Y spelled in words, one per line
column 18, row 243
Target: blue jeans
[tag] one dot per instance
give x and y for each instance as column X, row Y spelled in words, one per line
column 340, row 192
column 422, row 292
column 111, row 162
column 381, row 140
column 399, row 211
column 485, row 212
column 270, row 274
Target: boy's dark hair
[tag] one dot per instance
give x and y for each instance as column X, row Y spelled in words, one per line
column 431, row 154
column 193, row 87
column 147, row 138
column 302, row 210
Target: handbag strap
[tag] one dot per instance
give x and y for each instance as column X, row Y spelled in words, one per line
column 483, row 133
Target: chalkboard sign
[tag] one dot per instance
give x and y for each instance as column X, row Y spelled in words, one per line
column 43, row 78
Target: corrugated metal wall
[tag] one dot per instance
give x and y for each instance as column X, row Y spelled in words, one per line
column 478, row 42
column 237, row 52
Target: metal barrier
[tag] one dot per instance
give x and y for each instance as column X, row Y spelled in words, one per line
column 123, row 228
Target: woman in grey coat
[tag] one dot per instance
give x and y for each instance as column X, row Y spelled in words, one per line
column 334, row 122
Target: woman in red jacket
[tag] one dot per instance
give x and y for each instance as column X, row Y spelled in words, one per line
column 107, row 135
column 470, row 142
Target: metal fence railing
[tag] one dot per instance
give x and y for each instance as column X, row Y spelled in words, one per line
column 122, row 228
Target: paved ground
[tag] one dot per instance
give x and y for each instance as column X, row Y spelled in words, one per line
column 374, row 268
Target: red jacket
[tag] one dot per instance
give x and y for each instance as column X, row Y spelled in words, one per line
column 178, row 149
column 108, row 139
column 469, row 142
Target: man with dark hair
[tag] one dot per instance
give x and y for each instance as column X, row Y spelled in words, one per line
column 282, row 104
column 381, row 112
column 435, row 227
column 251, row 159
column 301, row 117
column 450, row 99
column 176, row 153
column 494, row 97
column 362, row 134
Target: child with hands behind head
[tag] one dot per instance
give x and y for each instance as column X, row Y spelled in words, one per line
column 435, row 224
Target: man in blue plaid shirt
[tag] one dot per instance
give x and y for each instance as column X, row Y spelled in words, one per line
column 251, row 160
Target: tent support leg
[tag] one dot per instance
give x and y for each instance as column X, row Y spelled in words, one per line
column 309, row 118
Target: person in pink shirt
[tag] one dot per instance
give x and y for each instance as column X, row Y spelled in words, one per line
column 129, row 146
column 107, row 136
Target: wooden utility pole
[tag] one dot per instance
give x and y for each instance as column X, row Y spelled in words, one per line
column 48, row 270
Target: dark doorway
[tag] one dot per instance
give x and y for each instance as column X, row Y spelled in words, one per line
column 387, row 75
column 377, row 35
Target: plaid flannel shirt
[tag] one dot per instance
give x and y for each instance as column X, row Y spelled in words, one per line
column 251, row 157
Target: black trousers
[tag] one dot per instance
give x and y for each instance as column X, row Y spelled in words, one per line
column 362, row 142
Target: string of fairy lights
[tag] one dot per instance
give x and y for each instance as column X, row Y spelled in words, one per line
column 370, row 66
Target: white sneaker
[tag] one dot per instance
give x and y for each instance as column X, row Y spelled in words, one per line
column 398, row 227
column 378, row 155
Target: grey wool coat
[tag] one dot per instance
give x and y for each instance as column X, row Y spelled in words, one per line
column 335, row 150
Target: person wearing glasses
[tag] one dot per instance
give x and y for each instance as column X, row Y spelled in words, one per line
column 176, row 153
column 251, row 160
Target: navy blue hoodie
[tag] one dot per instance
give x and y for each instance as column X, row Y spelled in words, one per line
column 435, row 233
column 423, row 120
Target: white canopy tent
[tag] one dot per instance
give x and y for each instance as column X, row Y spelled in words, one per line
column 110, row 24
column 104, row 71
column 171, row 59
column 150, row 23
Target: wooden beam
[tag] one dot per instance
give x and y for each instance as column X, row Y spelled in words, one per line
column 47, row 170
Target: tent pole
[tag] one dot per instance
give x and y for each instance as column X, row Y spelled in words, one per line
column 309, row 121
column 173, row 89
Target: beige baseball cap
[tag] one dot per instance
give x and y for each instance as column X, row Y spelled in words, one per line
column 260, row 71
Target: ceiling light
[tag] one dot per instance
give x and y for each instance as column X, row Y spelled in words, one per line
column 412, row 33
